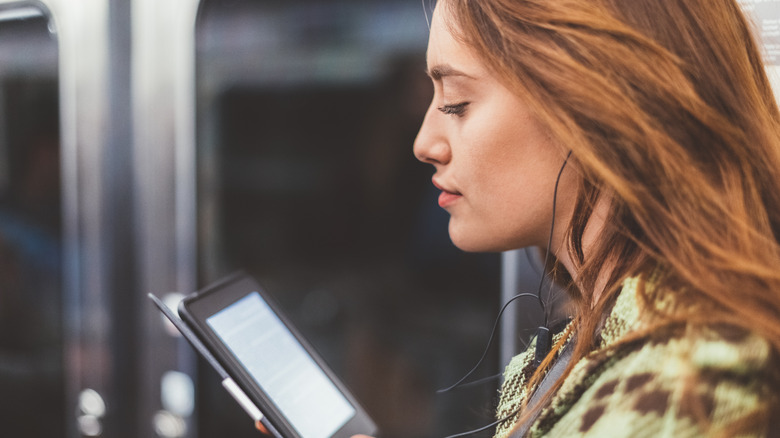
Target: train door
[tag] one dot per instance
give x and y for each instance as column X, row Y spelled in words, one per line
column 66, row 251
column 32, row 375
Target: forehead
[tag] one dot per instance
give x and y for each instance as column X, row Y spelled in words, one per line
column 447, row 53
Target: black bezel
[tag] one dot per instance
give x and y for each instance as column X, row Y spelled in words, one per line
column 197, row 307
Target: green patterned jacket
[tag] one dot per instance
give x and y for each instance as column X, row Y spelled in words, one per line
column 644, row 389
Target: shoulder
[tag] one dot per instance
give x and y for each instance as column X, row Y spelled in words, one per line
column 685, row 383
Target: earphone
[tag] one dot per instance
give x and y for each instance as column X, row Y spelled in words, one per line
column 543, row 335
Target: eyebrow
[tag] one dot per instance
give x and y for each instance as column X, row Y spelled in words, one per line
column 438, row 72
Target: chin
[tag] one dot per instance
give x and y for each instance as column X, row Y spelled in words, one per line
column 474, row 242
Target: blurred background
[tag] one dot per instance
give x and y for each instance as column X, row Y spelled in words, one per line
column 157, row 146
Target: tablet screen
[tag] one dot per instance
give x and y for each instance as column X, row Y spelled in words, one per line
column 282, row 367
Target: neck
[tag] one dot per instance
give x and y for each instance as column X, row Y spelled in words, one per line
column 590, row 236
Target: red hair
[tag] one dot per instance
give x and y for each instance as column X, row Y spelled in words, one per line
column 670, row 116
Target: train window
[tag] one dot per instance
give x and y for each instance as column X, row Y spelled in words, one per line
column 306, row 116
column 31, row 364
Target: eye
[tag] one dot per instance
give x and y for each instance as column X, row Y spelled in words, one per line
column 457, row 109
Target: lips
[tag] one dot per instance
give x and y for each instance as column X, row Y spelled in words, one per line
column 447, row 196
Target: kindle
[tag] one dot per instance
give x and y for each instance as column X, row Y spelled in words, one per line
column 266, row 365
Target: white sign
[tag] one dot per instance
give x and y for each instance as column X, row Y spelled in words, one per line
column 765, row 15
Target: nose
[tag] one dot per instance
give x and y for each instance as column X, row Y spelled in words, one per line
column 431, row 145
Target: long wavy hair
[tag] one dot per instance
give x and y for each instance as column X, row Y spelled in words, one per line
column 669, row 115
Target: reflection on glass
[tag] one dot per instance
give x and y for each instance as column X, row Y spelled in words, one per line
column 31, row 368
column 306, row 116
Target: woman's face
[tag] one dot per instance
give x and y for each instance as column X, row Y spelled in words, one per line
column 495, row 163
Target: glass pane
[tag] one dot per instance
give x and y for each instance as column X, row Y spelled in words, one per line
column 306, row 116
column 31, row 353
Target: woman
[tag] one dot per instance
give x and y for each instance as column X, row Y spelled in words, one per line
column 644, row 133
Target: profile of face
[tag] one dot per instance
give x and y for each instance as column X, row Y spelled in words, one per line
column 496, row 164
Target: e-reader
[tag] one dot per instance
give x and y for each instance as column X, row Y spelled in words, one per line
column 270, row 369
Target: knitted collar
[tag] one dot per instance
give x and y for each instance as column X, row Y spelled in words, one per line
column 624, row 316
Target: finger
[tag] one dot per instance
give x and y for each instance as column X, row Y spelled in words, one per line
column 259, row 426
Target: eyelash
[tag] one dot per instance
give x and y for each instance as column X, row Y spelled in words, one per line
column 457, row 109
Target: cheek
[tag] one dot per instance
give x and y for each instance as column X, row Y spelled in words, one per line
column 512, row 185
column 491, row 149
column 507, row 168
